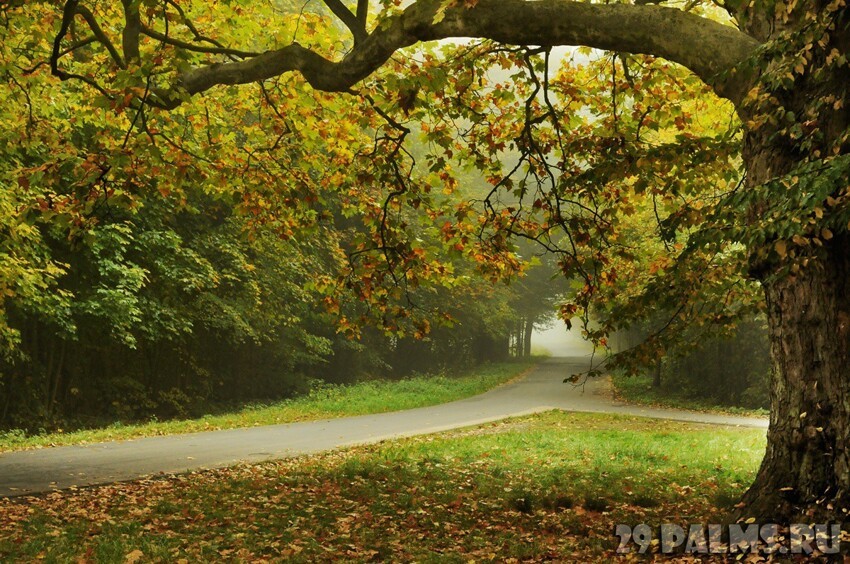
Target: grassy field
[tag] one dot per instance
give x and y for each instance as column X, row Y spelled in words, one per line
column 545, row 487
column 639, row 389
column 323, row 403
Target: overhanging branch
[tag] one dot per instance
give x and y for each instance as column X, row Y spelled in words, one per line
column 709, row 49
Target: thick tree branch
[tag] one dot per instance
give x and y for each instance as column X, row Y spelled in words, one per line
column 351, row 21
column 132, row 29
column 363, row 12
column 100, row 34
column 709, row 49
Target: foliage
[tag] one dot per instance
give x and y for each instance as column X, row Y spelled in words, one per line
column 167, row 263
column 608, row 162
column 788, row 219
column 417, row 197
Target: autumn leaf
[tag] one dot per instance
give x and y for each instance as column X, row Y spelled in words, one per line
column 781, row 248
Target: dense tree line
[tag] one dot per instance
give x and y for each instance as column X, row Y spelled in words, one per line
column 173, row 308
column 729, row 367
column 177, row 308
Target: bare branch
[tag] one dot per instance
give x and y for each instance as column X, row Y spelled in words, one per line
column 198, row 36
column 217, row 50
column 351, row 21
column 100, row 34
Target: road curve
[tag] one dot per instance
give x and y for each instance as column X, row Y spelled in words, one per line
column 36, row 471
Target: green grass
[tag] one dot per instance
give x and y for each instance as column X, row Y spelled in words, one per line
column 639, row 389
column 544, row 487
column 325, row 402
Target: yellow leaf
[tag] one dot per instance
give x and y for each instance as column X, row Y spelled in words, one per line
column 440, row 14
column 781, row 248
column 826, row 234
column 133, row 557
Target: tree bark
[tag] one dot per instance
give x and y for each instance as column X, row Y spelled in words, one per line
column 806, row 469
column 529, row 328
column 805, row 473
column 518, row 342
column 57, row 377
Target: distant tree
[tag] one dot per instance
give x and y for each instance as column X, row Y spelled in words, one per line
column 534, row 299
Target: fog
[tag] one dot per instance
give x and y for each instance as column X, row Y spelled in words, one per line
column 557, row 341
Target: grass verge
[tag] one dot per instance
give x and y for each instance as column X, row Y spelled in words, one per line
column 639, row 389
column 326, row 402
column 539, row 488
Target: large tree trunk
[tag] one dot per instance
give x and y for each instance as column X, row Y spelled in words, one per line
column 806, row 468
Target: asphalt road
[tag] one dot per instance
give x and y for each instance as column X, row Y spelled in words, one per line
column 35, row 471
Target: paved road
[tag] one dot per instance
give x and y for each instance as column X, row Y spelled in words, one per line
column 48, row 469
